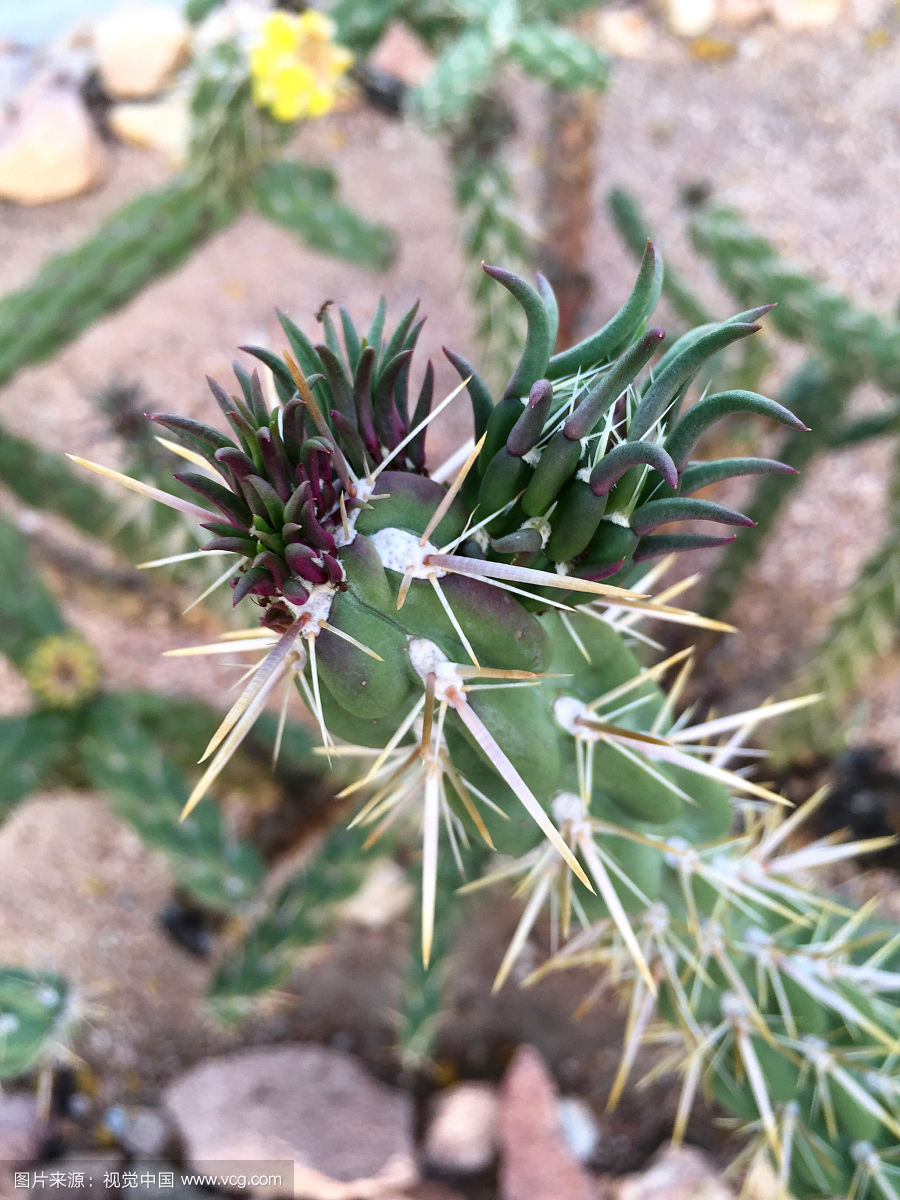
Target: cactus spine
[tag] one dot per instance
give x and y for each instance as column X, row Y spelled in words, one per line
column 471, row 636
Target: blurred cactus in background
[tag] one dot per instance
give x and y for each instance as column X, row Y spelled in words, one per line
column 472, row 635
column 38, row 1013
column 847, row 348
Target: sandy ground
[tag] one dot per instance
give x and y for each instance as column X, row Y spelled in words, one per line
column 800, row 133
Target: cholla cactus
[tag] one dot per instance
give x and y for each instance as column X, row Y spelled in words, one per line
column 466, row 634
column 37, row 1012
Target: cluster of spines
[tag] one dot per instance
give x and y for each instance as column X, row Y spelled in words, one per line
column 779, row 1002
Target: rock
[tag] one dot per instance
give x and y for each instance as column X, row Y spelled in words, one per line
column 536, row 1163
column 139, row 47
column 349, row 1137
column 162, row 125
column 385, row 895
column 742, row 12
column 401, row 54
column 50, row 150
column 676, row 1173
column 22, row 1134
column 689, row 18
column 797, row 15
column 462, row 1133
column 146, row 1133
column 579, row 1126
column 626, row 32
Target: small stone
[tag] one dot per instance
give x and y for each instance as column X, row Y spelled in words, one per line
column 536, row 1163
column 742, row 12
column 50, row 150
column 146, row 1133
column 626, row 32
column 462, row 1134
column 348, row 1136
column 676, row 1173
column 798, row 15
column 689, row 18
column 385, row 895
column 161, row 125
column 139, row 47
column 579, row 1126
column 22, row 1134
column 401, row 54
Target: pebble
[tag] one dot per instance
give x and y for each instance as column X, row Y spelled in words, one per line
column 579, row 1126
column 689, row 18
column 162, row 125
column 799, row 15
column 461, row 1138
column 385, row 895
column 349, row 1136
column 50, row 150
column 139, row 47
column 536, row 1162
column 626, row 33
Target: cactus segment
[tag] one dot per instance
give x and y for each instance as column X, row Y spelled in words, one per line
column 626, row 455
column 671, row 377
column 530, row 425
column 660, row 512
column 697, row 420
column 541, row 331
column 479, row 394
column 37, row 1012
column 698, row 475
column 604, row 395
column 621, row 329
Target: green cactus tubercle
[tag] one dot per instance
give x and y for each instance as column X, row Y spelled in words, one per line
column 471, row 633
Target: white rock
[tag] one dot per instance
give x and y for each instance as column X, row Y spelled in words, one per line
column 349, row 1137
column 742, row 12
column 50, row 151
column 689, row 18
column 385, row 895
column 139, row 47
column 797, row 15
column 462, row 1133
column 579, row 1126
column 161, row 125
column 626, row 32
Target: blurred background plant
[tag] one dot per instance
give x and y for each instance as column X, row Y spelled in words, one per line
column 845, row 348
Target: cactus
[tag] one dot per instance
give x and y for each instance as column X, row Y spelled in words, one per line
column 37, row 1013
column 472, row 634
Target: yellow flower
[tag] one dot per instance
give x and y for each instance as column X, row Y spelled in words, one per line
column 296, row 67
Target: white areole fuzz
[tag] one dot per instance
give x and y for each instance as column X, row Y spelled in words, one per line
column 399, row 550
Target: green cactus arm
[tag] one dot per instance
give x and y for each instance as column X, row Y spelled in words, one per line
column 282, row 193
column 28, row 612
column 38, row 1012
column 262, row 953
column 208, row 861
column 863, row 630
column 31, row 747
column 857, row 343
column 148, row 237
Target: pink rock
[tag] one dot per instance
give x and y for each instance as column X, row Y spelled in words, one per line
column 536, row 1162
column 400, row 53
column 348, row 1136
